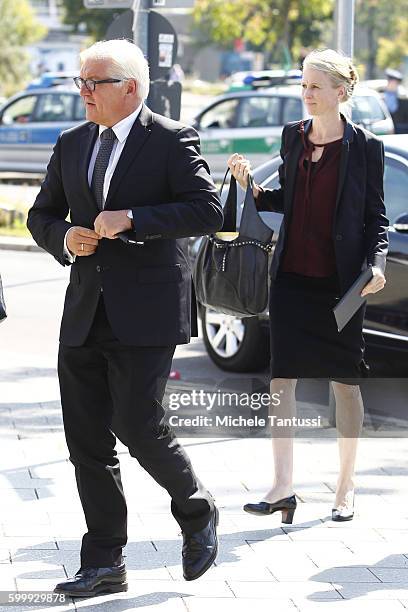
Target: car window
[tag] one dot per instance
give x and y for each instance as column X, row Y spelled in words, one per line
column 79, row 109
column 292, row 110
column 20, row 111
column 221, row 115
column 259, row 111
column 54, row 107
column 395, row 188
column 366, row 108
column 273, row 181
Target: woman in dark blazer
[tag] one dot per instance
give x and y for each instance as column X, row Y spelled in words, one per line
column 334, row 225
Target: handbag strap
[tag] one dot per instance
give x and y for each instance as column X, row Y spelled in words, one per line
column 230, row 206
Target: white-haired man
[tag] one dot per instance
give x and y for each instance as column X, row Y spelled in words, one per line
column 127, row 304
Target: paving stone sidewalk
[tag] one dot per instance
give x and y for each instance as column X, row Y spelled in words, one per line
column 314, row 564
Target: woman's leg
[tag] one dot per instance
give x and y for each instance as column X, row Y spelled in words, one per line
column 349, row 421
column 282, row 447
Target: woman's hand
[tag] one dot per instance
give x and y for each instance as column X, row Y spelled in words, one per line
column 376, row 283
column 240, row 169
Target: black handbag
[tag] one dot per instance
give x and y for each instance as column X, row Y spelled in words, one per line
column 232, row 276
column 3, row 313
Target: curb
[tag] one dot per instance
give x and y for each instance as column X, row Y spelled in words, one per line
column 9, row 243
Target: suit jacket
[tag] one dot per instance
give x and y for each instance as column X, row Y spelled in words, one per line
column 147, row 289
column 360, row 227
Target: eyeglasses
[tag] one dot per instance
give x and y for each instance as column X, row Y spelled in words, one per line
column 90, row 84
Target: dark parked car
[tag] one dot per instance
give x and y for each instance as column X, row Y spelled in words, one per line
column 242, row 345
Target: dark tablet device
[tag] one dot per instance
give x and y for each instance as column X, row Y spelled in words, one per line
column 352, row 300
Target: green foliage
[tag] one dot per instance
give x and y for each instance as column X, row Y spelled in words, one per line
column 263, row 23
column 95, row 20
column 392, row 51
column 18, row 28
column 387, row 29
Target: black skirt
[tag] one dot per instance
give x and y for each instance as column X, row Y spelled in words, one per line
column 305, row 342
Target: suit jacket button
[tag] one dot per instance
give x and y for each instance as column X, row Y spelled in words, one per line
column 339, row 237
column 98, row 268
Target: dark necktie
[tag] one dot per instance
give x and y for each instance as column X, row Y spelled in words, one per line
column 101, row 163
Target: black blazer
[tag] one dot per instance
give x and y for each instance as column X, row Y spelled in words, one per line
column 147, row 289
column 360, row 227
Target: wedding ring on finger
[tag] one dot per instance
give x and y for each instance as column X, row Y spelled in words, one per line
column 82, row 246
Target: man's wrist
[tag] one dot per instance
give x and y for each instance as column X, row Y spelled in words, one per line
column 68, row 254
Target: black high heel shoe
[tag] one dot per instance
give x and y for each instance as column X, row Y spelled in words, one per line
column 287, row 506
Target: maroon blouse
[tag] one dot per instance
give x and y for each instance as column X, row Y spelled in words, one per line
column 309, row 248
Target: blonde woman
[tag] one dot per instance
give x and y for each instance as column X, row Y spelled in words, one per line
column 334, row 225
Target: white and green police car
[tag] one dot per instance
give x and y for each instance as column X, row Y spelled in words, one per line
column 250, row 121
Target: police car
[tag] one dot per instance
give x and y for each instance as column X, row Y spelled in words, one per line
column 250, row 121
column 30, row 123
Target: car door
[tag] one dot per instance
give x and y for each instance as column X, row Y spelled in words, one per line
column 387, row 311
column 249, row 125
column 215, row 126
column 292, row 109
column 54, row 113
column 30, row 126
column 16, row 132
column 259, row 128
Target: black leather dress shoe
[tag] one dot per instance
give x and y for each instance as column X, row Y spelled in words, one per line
column 200, row 549
column 92, row 581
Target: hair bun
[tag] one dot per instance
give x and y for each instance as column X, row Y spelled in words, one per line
column 353, row 74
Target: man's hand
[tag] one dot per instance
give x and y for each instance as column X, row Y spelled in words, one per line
column 110, row 222
column 82, row 241
column 376, row 283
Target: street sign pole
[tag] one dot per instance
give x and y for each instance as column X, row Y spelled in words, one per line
column 141, row 10
column 344, row 29
column 345, row 26
column 157, row 39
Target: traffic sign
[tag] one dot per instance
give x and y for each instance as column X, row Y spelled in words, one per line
column 160, row 4
column 108, row 4
column 172, row 4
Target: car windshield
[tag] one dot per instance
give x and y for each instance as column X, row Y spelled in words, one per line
column 221, row 115
column 20, row 111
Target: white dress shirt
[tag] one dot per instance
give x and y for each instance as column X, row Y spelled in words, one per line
column 122, row 130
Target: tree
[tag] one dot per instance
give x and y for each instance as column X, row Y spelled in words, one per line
column 386, row 33
column 391, row 52
column 18, row 28
column 268, row 24
column 96, row 21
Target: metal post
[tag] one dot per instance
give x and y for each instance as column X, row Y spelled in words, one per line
column 345, row 26
column 141, row 24
column 344, row 33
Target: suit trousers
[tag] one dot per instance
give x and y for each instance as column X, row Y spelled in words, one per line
column 109, row 391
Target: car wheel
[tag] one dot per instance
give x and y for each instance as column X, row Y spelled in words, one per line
column 234, row 344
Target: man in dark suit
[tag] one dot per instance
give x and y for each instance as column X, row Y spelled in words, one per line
column 126, row 171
